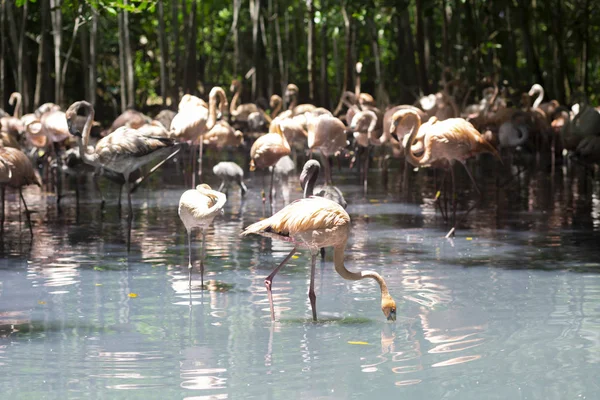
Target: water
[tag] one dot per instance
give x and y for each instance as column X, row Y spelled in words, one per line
column 508, row 309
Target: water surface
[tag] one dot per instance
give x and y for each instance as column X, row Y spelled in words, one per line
column 508, row 309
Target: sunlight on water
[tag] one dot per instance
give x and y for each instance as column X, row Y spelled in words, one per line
column 510, row 305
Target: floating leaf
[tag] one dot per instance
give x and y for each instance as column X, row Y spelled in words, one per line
column 469, row 238
column 357, row 342
column 98, row 284
column 132, row 295
column 41, row 302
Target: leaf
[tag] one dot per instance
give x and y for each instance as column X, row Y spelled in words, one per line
column 358, row 342
column 132, row 295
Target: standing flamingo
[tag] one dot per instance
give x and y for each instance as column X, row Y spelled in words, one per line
column 197, row 209
column 16, row 171
column 266, row 151
column 123, row 151
column 327, row 134
column 228, row 172
column 193, row 120
column 442, row 141
column 313, row 223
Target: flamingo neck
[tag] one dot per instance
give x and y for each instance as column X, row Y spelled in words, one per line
column 212, row 110
column 310, row 184
column 338, row 260
column 234, row 101
column 539, row 99
column 275, row 110
column 88, row 155
column 293, row 102
column 416, row 125
column 17, row 112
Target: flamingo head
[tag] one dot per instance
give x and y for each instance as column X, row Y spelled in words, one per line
column 388, row 306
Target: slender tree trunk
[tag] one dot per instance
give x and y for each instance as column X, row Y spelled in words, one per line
column 2, row 50
column 56, row 17
column 84, row 42
column 269, row 48
column 310, row 11
column 586, row 47
column 282, row 78
column 164, row 52
column 288, row 57
column 22, row 64
column 528, row 44
column 381, row 94
column 423, row 84
column 128, row 60
column 122, row 79
column 445, row 45
column 175, row 65
column 190, row 62
column 347, row 58
column 93, row 53
column 65, row 65
column 254, row 14
column 237, row 5
column 324, row 59
column 14, row 43
column 512, row 47
column 561, row 60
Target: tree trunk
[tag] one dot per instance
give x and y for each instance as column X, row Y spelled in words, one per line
column 190, row 62
column 93, row 53
column 22, row 64
column 122, row 73
column 68, row 55
column 2, row 51
column 237, row 5
column 423, row 84
column 84, row 42
column 282, row 77
column 532, row 59
column 586, row 47
column 445, row 45
column 347, row 59
column 56, row 17
column 128, row 60
column 324, row 59
column 164, row 52
column 310, row 12
column 380, row 94
column 175, row 66
column 561, row 60
column 254, row 15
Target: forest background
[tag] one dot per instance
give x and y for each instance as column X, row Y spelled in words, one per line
column 145, row 54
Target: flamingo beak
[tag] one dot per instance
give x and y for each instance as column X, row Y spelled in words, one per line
column 392, row 316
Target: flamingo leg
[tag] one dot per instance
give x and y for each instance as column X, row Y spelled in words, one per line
column 200, row 150
column 476, row 203
column 451, row 232
column 141, row 179
column 438, row 196
column 97, row 186
column 220, row 189
column 311, row 292
column 58, row 172
column 128, row 187
column 203, row 254
column 193, row 154
column 366, row 171
column 271, row 189
column 189, row 234
column 323, row 253
column 26, row 212
column 269, row 281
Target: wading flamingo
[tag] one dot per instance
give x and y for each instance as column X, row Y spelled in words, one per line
column 313, row 223
column 197, row 209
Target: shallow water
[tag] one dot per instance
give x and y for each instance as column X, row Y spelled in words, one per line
column 508, row 309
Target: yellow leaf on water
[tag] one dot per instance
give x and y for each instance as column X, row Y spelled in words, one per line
column 98, row 284
column 41, row 302
column 469, row 238
column 132, row 295
column 357, row 342
column 438, row 194
column 295, row 257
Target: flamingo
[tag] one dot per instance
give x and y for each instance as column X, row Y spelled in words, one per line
column 308, row 178
column 266, row 151
column 16, row 171
column 228, row 171
column 313, row 223
column 123, row 151
column 194, row 120
column 291, row 93
column 442, row 142
column 197, row 209
column 327, row 134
